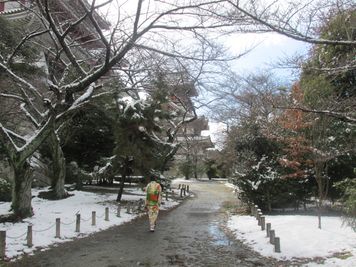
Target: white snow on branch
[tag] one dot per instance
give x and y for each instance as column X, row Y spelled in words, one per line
column 103, row 169
column 28, row 114
column 87, row 94
column 141, row 128
column 16, row 77
column 256, row 167
column 12, row 96
column 8, row 133
column 30, row 139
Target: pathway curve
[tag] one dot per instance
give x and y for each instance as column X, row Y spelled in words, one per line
column 189, row 235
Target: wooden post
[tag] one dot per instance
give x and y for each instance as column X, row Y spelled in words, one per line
column 29, row 236
column 93, row 218
column 167, row 195
column 263, row 222
column 118, row 212
column 252, row 210
column 184, row 190
column 2, row 244
column 277, row 245
column 268, row 228
column 259, row 217
column 77, row 223
column 188, row 188
column 128, row 208
column 106, row 214
column 58, row 228
column 181, row 192
column 179, row 186
column 257, row 212
column 271, row 236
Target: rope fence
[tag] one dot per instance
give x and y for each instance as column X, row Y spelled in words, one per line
column 270, row 233
column 29, row 234
column 132, row 207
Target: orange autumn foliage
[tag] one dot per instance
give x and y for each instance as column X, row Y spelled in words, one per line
column 294, row 123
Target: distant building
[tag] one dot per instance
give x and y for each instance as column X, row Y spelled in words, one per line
column 193, row 146
column 67, row 12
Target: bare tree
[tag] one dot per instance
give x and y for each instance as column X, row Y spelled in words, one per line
column 299, row 20
column 329, row 27
column 74, row 71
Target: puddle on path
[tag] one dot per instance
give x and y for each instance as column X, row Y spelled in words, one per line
column 218, row 237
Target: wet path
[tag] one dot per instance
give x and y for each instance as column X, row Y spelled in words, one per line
column 189, row 235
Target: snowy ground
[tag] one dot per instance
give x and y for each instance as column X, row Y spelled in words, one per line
column 46, row 212
column 300, row 238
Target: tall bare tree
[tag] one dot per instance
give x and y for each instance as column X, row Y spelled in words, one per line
column 73, row 70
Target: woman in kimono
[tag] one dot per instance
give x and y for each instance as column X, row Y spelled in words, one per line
column 153, row 201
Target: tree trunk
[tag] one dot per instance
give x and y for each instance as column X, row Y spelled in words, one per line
column 269, row 204
column 168, row 157
column 59, row 167
column 21, row 192
column 319, row 167
column 319, row 214
column 121, row 188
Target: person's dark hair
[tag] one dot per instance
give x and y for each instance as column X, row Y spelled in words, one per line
column 153, row 177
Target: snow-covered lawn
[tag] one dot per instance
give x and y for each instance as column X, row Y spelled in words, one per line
column 300, row 238
column 46, row 212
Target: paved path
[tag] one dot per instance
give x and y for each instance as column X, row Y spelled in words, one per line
column 189, row 235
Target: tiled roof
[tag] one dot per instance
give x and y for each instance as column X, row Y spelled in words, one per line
column 12, row 11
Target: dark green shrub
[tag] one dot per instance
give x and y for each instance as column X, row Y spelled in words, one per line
column 186, row 169
column 5, row 190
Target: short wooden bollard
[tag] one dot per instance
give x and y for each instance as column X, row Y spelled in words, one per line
column 106, row 214
column 255, row 210
column 128, row 208
column 77, row 223
column 252, row 210
column 277, row 245
column 268, row 228
column 263, row 222
column 29, row 236
column 2, row 244
column 118, row 211
column 271, row 236
column 259, row 218
column 167, row 195
column 93, row 218
column 58, row 228
column 179, row 186
column 184, row 190
column 181, row 192
column 188, row 188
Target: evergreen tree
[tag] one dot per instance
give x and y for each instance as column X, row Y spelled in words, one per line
column 328, row 82
column 256, row 168
column 141, row 134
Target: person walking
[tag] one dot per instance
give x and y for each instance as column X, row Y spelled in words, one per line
column 153, row 201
